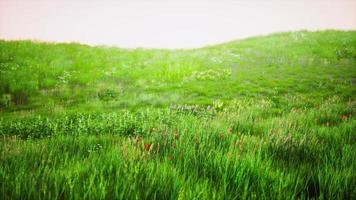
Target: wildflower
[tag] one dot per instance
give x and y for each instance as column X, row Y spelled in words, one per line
column 344, row 117
column 239, row 144
column 97, row 147
column 138, row 140
column 222, row 136
column 229, row 130
column 148, row 147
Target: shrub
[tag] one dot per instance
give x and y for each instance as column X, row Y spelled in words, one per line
column 108, row 94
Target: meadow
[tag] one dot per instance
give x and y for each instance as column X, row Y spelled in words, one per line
column 269, row 117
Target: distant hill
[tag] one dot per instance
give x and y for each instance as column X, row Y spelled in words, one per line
column 41, row 76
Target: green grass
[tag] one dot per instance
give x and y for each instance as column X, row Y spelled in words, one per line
column 269, row 117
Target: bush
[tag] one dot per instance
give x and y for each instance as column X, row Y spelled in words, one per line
column 108, row 94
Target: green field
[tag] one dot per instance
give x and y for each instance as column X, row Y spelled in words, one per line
column 269, row 117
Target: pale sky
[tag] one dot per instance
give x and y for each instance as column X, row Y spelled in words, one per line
column 167, row 23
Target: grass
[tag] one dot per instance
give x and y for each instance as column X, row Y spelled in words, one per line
column 269, row 117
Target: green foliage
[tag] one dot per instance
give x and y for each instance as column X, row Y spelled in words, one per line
column 108, row 94
column 263, row 118
column 210, row 75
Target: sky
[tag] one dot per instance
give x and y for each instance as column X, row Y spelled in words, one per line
column 167, row 23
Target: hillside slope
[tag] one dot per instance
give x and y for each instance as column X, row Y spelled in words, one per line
column 51, row 77
column 268, row 117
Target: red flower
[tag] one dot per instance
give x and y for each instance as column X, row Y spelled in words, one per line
column 148, row 147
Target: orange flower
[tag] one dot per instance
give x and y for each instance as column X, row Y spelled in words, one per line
column 344, row 117
column 148, row 147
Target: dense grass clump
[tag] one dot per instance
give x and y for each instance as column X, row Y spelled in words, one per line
column 263, row 118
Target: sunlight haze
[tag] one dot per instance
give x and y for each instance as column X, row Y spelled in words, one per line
column 167, row 24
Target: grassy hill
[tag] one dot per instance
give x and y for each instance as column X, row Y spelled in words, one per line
column 269, row 117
